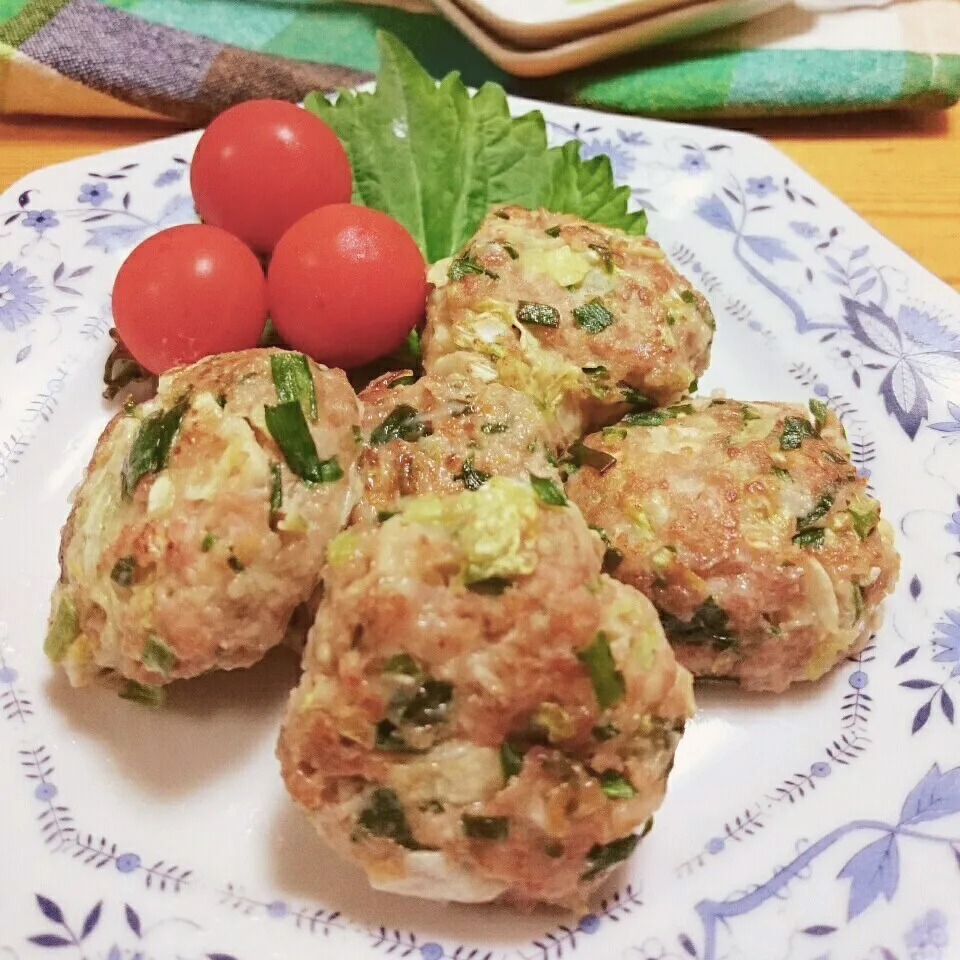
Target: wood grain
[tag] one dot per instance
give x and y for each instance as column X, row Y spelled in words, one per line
column 901, row 172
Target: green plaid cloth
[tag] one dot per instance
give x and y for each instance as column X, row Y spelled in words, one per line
column 188, row 59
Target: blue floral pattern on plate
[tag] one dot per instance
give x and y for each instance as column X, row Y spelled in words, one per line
column 796, row 828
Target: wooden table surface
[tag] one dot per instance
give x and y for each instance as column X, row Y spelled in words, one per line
column 901, row 172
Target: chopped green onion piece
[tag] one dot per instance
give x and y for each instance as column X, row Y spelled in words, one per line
column 143, row 694
column 820, row 509
column 404, row 664
column 618, row 432
column 465, row 265
column 384, row 515
column 288, row 427
column 593, row 317
column 607, row 680
column 548, row 492
column 781, row 473
column 511, row 760
column 813, row 537
column 834, row 457
column 709, row 624
column 503, row 215
column 864, row 521
column 471, row 478
column 294, row 381
column 390, row 739
column 606, row 257
column 123, row 571
column 404, row 380
column 157, row 655
column 430, row 704
column 235, row 563
column 402, row 423
column 612, row 557
column 357, row 433
column 151, row 447
column 276, row 490
column 511, row 250
column 819, row 410
column 748, row 413
column 221, row 400
column 584, row 456
column 795, row 430
column 490, row 586
column 384, row 816
column 596, row 371
column 616, row 785
column 485, row 828
column 647, row 418
column 538, row 314
column 688, row 296
column 494, row 427
column 206, row 544
column 603, row 856
column 552, row 232
column 605, row 731
column 671, row 319
column 62, row 631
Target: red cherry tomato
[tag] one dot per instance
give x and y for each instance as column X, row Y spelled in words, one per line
column 262, row 165
column 187, row 292
column 346, row 284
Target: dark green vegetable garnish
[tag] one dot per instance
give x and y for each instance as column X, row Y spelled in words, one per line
column 490, row 587
column 485, row 828
column 389, row 738
column 781, row 473
column 384, row 816
column 465, row 265
column 538, row 314
column 819, row 410
column 598, row 371
column 864, row 521
column 402, row 423
column 604, row 731
column 607, row 680
column 235, row 564
column 813, row 537
column 636, row 399
column 502, row 215
column 584, row 456
column 494, row 427
column 144, row 694
column 404, row 380
column 671, row 319
column 833, row 456
column 470, row 477
column 688, row 296
column 710, row 624
column 157, row 655
column 553, row 849
column 593, row 316
column 151, row 447
column 510, row 249
column 357, row 433
column 123, row 571
column 430, row 704
column 647, row 418
column 511, row 759
column 62, row 631
column 548, row 492
column 221, row 400
column 206, row 544
column 276, row 489
column 552, row 232
column 820, row 509
column 464, row 411
column 384, row 515
column 795, row 430
column 288, row 427
column 748, row 413
column 294, row 381
column 606, row 855
column 431, row 806
column 404, row 664
column 616, row 785
column 612, row 557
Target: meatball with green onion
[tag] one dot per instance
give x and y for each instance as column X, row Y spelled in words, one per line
column 748, row 527
column 483, row 714
column 203, row 519
column 443, row 435
column 586, row 319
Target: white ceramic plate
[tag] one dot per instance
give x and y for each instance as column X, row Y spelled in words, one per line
column 543, row 23
column 662, row 25
column 820, row 824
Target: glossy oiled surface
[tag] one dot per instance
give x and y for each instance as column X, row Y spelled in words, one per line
column 899, row 171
